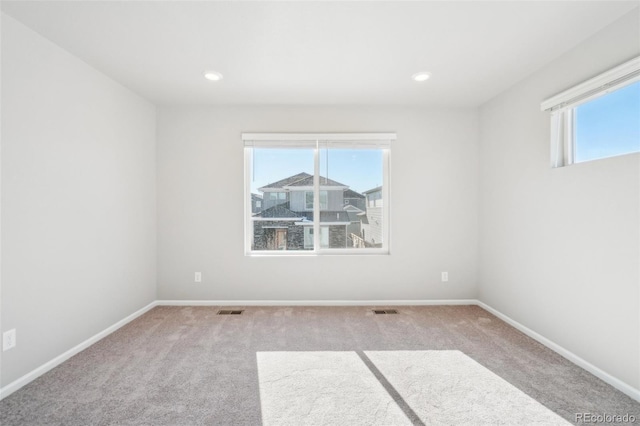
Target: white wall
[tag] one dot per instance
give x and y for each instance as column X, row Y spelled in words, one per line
column 200, row 207
column 559, row 248
column 78, row 200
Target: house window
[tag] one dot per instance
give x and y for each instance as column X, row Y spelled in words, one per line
column 324, row 237
column 303, row 181
column 308, row 196
column 374, row 198
column 597, row 119
column 277, row 196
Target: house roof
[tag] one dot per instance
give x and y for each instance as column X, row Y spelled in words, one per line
column 300, row 180
column 308, row 181
column 280, row 210
column 350, row 208
column 378, row 188
column 350, row 193
column 286, row 181
column 353, row 216
column 255, row 197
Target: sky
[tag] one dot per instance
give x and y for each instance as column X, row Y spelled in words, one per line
column 609, row 125
column 359, row 169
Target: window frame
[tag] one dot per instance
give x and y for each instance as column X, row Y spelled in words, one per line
column 380, row 141
column 563, row 105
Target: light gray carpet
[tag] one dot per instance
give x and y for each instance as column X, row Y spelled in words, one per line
column 188, row 366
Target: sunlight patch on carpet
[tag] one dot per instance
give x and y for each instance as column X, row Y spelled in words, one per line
column 322, row 388
column 448, row 387
column 439, row 387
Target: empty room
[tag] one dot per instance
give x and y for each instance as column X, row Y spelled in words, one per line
column 320, row 213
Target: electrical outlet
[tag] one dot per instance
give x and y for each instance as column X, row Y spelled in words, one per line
column 8, row 339
column 445, row 277
column 198, row 277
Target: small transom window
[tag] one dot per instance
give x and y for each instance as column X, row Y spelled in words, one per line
column 597, row 119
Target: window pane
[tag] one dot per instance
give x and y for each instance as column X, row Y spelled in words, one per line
column 308, row 237
column 350, row 178
column 324, row 200
column 608, row 125
column 279, row 179
column 308, row 196
column 309, row 200
column 324, row 236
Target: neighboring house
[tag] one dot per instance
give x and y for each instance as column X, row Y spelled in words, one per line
column 354, row 238
column 256, row 203
column 353, row 198
column 286, row 221
column 371, row 219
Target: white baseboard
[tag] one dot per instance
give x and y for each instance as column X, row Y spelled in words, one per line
column 316, row 302
column 602, row 375
column 34, row 374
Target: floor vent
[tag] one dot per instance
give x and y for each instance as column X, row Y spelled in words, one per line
column 230, row 312
column 385, row 311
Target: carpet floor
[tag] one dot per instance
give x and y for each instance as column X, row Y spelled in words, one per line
column 314, row 365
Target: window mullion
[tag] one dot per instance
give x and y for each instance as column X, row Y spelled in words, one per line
column 316, row 198
column 386, row 205
column 570, row 136
column 248, row 223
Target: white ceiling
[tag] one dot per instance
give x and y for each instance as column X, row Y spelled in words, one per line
column 312, row 53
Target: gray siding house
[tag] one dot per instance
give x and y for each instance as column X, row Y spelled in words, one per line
column 371, row 220
column 256, row 203
column 286, row 220
column 353, row 198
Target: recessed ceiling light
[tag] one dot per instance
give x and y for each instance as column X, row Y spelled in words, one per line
column 213, row 75
column 421, row 76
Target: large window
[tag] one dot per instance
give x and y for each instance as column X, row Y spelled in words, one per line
column 317, row 185
column 597, row 119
